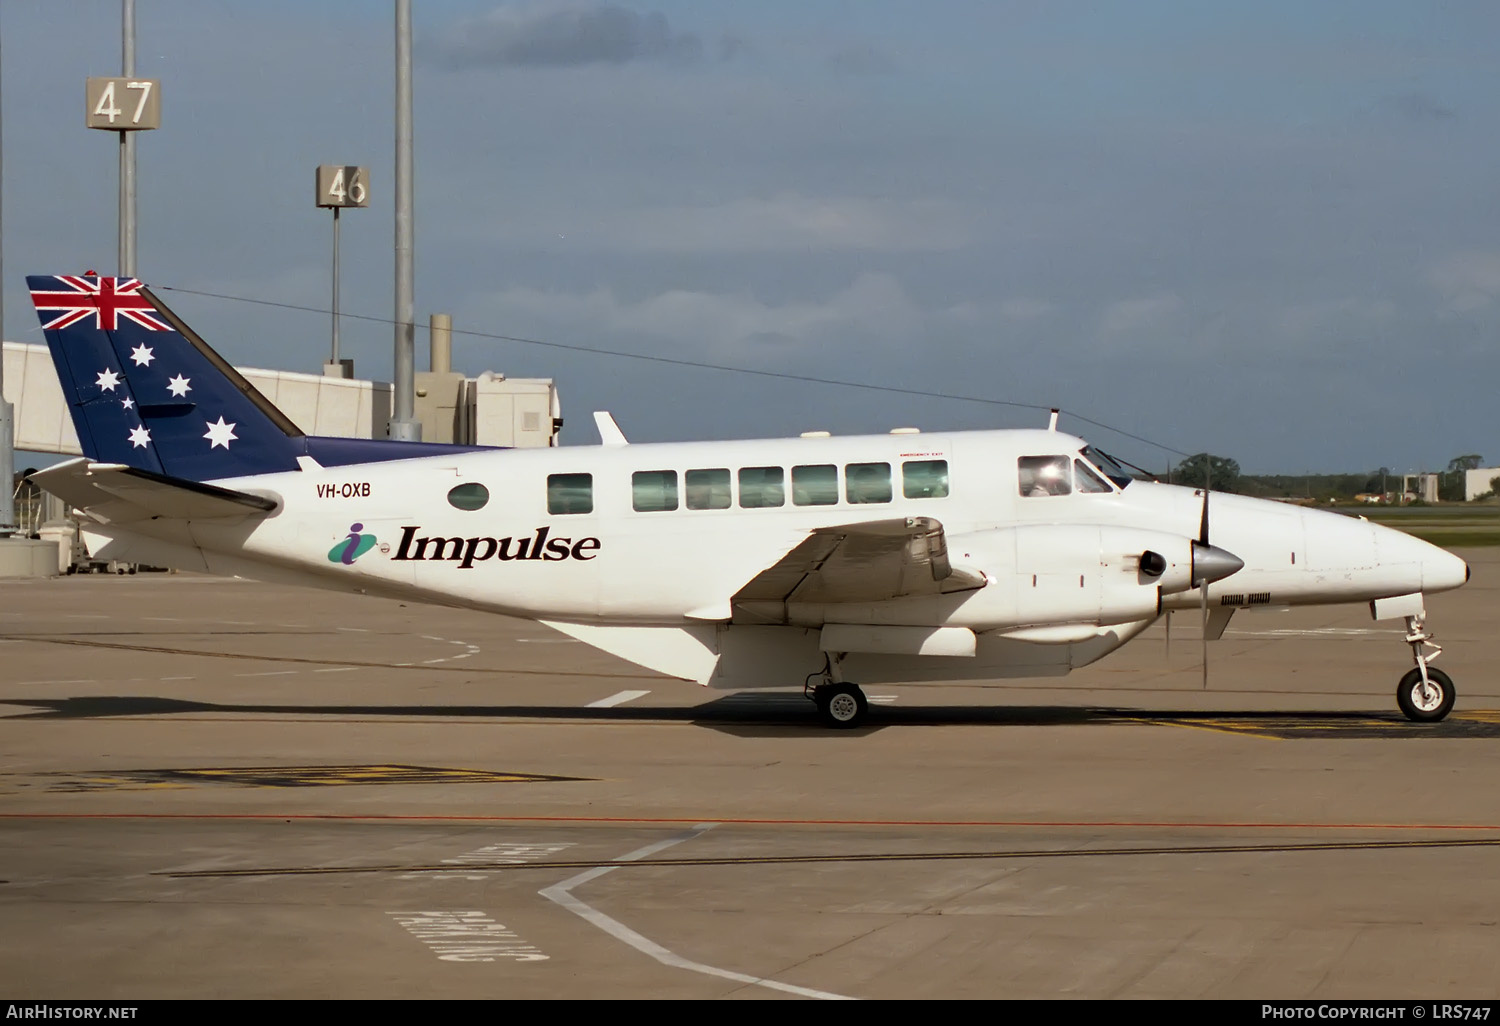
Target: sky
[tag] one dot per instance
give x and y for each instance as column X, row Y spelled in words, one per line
column 1269, row 231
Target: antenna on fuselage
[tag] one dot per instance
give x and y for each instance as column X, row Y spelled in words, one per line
column 1052, row 421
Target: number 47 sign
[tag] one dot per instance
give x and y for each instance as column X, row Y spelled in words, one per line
column 123, row 104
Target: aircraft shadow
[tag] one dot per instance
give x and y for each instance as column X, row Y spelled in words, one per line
column 780, row 716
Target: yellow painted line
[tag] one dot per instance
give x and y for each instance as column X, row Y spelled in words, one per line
column 1216, row 726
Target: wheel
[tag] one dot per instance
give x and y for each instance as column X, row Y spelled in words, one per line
column 841, row 705
column 1425, row 704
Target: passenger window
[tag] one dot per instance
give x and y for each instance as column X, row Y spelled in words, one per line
column 707, row 489
column 867, row 482
column 653, row 491
column 1087, row 480
column 469, row 496
column 570, row 493
column 815, row 485
column 925, row 479
column 1044, row 475
column 762, row 487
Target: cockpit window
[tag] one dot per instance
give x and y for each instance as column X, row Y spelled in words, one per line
column 1087, row 480
column 1044, row 475
column 1106, row 463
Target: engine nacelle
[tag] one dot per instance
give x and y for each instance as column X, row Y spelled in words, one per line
column 1081, row 573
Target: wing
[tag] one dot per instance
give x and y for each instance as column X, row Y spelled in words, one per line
column 869, row 562
column 114, row 493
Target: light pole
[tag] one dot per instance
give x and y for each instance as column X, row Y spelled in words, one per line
column 340, row 186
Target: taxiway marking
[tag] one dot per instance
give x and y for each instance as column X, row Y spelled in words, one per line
column 619, row 698
column 562, row 895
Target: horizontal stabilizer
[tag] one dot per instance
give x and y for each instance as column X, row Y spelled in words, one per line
column 114, row 493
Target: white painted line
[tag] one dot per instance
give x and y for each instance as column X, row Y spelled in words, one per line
column 561, row 894
column 618, row 699
column 164, row 619
column 443, row 659
column 336, row 669
column 237, row 623
column 361, row 630
column 268, row 673
column 177, row 678
column 20, row 683
column 1316, row 632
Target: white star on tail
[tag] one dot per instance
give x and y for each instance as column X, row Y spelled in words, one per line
column 220, row 433
column 142, row 357
column 108, row 379
column 179, row 386
column 129, row 404
column 139, row 437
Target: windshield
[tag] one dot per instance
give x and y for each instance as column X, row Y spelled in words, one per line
column 1107, row 465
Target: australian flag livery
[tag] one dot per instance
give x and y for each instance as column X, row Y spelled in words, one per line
column 147, row 392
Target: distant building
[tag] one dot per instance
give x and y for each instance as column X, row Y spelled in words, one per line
column 1477, row 481
column 1419, row 486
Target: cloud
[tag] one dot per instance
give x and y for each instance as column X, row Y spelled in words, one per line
column 862, row 59
column 1327, row 321
column 874, row 306
column 562, row 35
column 1468, row 281
column 1025, row 309
column 1131, row 315
column 1416, row 107
column 785, row 223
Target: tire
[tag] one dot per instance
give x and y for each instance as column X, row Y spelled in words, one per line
column 1428, row 708
column 842, row 706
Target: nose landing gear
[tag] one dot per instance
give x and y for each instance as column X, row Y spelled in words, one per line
column 1425, row 694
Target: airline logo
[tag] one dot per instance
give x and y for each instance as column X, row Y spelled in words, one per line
column 352, row 547
column 468, row 551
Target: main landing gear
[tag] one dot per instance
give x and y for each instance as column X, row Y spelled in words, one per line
column 1424, row 694
column 840, row 703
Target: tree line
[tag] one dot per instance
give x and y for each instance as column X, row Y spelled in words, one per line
column 1223, row 475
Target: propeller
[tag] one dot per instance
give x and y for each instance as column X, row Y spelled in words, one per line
column 1204, row 580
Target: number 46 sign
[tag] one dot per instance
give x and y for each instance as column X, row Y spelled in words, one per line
column 343, row 186
column 123, row 104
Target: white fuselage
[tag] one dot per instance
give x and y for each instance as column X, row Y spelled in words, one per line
column 659, row 584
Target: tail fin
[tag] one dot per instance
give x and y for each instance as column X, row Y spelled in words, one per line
column 145, row 391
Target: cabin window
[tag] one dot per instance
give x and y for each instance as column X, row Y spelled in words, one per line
column 653, row 491
column 925, row 479
column 867, row 482
column 570, row 493
column 1086, row 480
column 1044, row 475
column 761, row 487
column 707, row 489
column 815, row 485
column 468, row 497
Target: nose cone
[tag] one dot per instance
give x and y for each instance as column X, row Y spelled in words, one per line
column 1442, row 570
column 1211, row 563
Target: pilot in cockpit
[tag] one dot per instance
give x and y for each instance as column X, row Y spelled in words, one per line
column 1042, row 476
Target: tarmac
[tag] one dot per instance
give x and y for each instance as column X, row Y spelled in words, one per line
column 220, row 789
